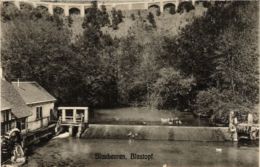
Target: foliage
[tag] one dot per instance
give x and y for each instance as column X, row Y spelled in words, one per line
column 150, row 18
column 217, row 105
column 117, row 17
column 229, row 69
column 29, row 52
column 158, row 12
column 185, row 6
column 170, row 87
column 206, row 68
column 128, row 60
column 172, row 10
column 132, row 16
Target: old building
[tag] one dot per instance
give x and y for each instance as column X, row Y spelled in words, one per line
column 14, row 111
column 40, row 102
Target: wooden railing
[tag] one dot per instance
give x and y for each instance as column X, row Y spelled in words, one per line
column 70, row 119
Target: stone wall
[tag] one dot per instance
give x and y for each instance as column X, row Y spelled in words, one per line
column 142, row 132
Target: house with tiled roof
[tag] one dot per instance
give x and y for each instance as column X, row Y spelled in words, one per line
column 39, row 102
column 14, row 111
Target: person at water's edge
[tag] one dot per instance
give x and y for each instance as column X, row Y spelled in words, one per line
column 132, row 156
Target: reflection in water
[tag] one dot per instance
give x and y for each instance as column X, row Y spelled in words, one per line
column 81, row 152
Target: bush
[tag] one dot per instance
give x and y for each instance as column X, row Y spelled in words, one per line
column 170, row 88
column 217, row 105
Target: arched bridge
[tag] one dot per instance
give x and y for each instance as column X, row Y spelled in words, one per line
column 80, row 6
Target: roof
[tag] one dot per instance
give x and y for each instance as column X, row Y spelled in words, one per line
column 11, row 99
column 33, row 93
column 5, row 105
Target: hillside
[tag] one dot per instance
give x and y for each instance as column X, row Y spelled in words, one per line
column 166, row 24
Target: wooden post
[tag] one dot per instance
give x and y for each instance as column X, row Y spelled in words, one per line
column 86, row 115
column 63, row 115
column 79, row 131
column 74, row 115
column 70, row 130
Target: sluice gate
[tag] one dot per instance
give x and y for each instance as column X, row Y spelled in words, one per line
column 72, row 119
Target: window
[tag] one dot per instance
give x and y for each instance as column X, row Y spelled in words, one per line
column 6, row 115
column 38, row 113
column 21, row 124
column 69, row 112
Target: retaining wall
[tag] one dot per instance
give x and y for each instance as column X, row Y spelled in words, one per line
column 157, row 132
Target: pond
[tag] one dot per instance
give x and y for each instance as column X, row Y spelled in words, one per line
column 139, row 115
column 81, row 152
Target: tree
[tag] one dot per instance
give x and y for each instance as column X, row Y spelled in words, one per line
column 217, row 105
column 128, row 60
column 93, row 48
column 30, row 51
column 8, row 12
column 77, row 73
column 236, row 60
column 70, row 21
column 170, row 87
column 117, row 17
column 104, row 16
column 120, row 16
column 220, row 60
column 151, row 19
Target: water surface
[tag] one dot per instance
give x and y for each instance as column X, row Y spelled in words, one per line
column 81, row 152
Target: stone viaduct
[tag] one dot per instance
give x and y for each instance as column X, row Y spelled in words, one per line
column 80, row 6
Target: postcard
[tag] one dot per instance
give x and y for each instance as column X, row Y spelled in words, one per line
column 129, row 83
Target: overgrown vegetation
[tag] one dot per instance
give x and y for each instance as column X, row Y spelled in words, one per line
column 210, row 68
column 117, row 17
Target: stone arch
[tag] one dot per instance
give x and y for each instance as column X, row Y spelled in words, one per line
column 170, row 7
column 42, row 8
column 26, row 6
column 220, row 3
column 185, row 6
column 154, row 6
column 154, row 9
column 58, row 10
column 74, row 11
column 8, row 3
column 88, row 9
column 206, row 4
